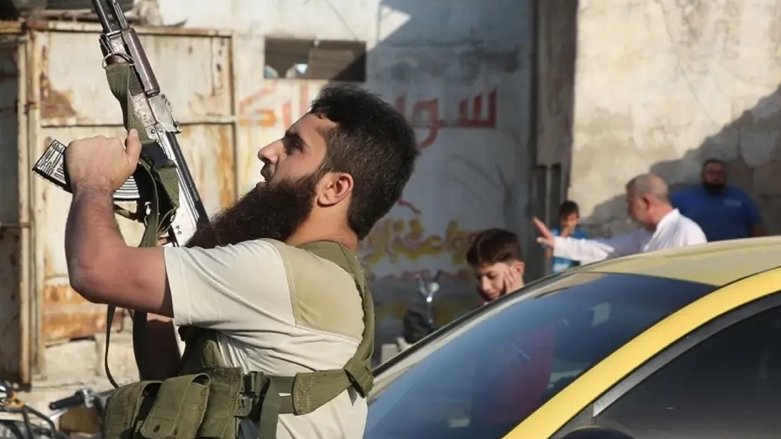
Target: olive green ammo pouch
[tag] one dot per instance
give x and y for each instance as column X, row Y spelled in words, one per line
column 173, row 408
column 127, row 407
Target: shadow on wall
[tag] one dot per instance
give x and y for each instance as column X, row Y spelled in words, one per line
column 751, row 147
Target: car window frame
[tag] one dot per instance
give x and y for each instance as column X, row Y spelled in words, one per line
column 558, row 416
column 590, row 413
column 684, row 345
column 588, row 416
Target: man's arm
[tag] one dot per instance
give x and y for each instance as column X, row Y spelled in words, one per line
column 102, row 268
column 591, row 250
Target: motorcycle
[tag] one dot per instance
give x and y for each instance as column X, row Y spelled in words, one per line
column 78, row 413
column 418, row 320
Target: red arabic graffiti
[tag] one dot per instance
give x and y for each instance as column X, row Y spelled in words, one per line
column 403, row 202
column 476, row 120
column 262, row 116
column 255, row 110
column 265, row 108
column 426, row 113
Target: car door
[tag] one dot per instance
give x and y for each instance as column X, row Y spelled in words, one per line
column 721, row 381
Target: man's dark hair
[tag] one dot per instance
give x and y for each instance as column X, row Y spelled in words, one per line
column 567, row 208
column 712, row 161
column 372, row 142
column 492, row 246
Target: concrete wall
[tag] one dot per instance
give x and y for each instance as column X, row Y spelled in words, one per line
column 662, row 85
column 459, row 69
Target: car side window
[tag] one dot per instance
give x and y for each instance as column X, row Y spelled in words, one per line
column 489, row 373
column 726, row 386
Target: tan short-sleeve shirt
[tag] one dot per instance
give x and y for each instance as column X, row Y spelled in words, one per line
column 280, row 310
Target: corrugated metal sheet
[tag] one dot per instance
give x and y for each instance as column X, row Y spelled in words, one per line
column 194, row 71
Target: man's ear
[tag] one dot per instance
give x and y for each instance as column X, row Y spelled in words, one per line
column 518, row 267
column 334, row 187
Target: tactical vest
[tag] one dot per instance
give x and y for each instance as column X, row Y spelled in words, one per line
column 208, row 399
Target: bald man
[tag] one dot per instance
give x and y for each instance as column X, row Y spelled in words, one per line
column 648, row 204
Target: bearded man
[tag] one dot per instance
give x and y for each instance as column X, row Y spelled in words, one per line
column 722, row 211
column 256, row 276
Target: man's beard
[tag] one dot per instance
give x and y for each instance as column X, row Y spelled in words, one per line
column 272, row 211
column 714, row 188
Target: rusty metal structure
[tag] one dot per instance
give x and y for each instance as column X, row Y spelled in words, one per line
column 52, row 85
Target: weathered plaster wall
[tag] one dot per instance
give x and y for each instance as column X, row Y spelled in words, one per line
column 663, row 85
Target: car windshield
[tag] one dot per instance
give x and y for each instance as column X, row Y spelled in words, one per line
column 483, row 375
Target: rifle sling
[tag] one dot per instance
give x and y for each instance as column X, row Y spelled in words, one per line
column 157, row 180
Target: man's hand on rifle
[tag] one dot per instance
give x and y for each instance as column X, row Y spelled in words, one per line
column 101, row 266
column 102, row 163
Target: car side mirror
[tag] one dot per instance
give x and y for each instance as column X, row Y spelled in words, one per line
column 596, row 432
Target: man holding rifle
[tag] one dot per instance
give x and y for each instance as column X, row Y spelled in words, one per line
column 272, row 283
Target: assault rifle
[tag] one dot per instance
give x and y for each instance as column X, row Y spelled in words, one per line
column 164, row 192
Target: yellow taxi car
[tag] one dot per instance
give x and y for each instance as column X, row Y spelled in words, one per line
column 682, row 343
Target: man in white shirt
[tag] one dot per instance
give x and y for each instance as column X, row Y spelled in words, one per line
column 648, row 204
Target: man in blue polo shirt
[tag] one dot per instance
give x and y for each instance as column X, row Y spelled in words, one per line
column 722, row 211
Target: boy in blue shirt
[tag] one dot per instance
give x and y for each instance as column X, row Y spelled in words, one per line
column 569, row 217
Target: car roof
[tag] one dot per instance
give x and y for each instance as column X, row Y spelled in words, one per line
column 716, row 263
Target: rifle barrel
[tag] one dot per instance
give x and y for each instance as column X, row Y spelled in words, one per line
column 119, row 16
column 108, row 24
